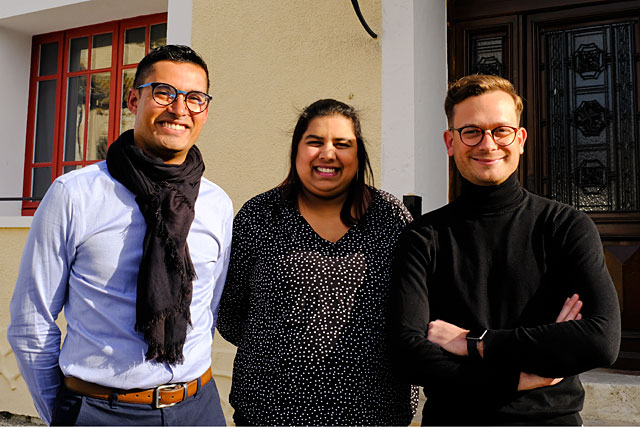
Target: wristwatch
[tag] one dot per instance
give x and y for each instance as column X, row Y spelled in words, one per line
column 473, row 339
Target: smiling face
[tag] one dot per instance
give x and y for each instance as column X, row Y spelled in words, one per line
column 327, row 158
column 168, row 132
column 486, row 163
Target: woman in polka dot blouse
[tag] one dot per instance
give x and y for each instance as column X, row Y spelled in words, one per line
column 306, row 294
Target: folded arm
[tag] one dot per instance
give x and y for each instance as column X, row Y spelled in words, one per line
column 582, row 338
column 420, row 361
column 454, row 340
column 568, row 348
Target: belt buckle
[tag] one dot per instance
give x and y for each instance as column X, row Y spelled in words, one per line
column 156, row 394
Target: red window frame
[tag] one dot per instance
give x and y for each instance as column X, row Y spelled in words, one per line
column 57, row 163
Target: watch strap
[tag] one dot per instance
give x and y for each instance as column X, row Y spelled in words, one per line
column 474, row 336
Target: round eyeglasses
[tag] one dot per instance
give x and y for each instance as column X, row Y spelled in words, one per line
column 472, row 135
column 165, row 94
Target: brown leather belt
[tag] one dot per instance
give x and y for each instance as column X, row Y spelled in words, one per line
column 160, row 397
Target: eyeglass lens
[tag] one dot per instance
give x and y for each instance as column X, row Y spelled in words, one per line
column 166, row 94
column 502, row 135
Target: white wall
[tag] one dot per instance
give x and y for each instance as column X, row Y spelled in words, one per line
column 179, row 26
column 45, row 16
column 414, row 82
column 13, row 8
column 15, row 59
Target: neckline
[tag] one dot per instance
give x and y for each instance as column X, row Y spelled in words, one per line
column 491, row 198
column 351, row 230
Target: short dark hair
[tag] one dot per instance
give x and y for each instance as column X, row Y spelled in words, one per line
column 358, row 195
column 170, row 52
column 477, row 84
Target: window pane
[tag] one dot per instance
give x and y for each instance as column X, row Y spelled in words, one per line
column 101, row 51
column 70, row 168
column 127, row 119
column 48, row 59
column 158, row 36
column 74, row 130
column 487, row 56
column 45, row 115
column 98, row 125
column 78, row 54
column 134, row 45
column 41, row 181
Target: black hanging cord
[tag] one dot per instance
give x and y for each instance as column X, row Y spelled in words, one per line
column 356, row 7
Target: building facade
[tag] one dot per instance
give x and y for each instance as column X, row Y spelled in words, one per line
column 267, row 60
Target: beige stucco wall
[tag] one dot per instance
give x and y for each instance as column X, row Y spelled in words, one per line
column 15, row 397
column 268, row 59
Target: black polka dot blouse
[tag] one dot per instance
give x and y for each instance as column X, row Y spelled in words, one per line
column 308, row 317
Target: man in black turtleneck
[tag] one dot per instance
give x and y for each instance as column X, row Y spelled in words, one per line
column 500, row 298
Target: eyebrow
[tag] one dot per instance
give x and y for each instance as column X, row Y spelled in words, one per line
column 478, row 126
column 312, row 136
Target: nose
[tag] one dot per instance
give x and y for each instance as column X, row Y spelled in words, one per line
column 179, row 106
column 328, row 152
column 487, row 142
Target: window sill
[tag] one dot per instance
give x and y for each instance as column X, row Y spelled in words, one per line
column 15, row 221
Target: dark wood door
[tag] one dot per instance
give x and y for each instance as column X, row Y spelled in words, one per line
column 577, row 66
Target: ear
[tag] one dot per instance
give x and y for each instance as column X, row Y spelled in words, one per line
column 448, row 141
column 522, row 137
column 132, row 101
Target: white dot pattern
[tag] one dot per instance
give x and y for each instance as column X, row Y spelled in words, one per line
column 309, row 318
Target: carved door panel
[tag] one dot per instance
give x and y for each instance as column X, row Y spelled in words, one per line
column 586, row 148
column 588, row 121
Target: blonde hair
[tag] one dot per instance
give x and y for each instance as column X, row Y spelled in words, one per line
column 474, row 85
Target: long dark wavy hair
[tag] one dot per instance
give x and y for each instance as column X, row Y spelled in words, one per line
column 358, row 193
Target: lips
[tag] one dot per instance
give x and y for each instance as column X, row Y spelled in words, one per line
column 487, row 161
column 326, row 171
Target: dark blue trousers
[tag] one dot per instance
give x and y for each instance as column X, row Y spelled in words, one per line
column 201, row 409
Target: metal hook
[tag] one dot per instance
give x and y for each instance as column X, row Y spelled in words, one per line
column 356, row 7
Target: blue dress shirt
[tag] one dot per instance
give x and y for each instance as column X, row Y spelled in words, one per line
column 82, row 254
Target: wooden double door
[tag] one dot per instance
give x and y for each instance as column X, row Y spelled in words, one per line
column 577, row 66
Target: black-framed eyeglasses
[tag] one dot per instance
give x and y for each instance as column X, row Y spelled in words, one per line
column 165, row 94
column 472, row 135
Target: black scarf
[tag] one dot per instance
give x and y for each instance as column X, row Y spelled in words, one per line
column 166, row 195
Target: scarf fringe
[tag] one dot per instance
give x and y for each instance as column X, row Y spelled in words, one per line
column 163, row 353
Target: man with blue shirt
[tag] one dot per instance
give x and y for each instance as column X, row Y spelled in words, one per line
column 135, row 249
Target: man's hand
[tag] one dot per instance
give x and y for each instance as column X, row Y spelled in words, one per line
column 531, row 381
column 448, row 336
column 570, row 311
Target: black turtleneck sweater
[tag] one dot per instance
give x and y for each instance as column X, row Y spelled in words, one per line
column 502, row 259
